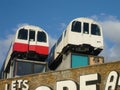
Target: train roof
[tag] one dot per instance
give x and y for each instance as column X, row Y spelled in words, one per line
column 31, row 27
column 83, row 19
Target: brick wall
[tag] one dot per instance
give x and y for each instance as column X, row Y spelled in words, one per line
column 50, row 79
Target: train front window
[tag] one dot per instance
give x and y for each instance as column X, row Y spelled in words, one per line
column 32, row 35
column 41, row 37
column 76, row 26
column 95, row 30
column 86, row 28
column 22, row 34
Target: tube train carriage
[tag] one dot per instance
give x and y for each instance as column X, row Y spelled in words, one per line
column 30, row 42
column 82, row 35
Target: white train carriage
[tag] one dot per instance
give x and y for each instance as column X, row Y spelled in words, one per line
column 30, row 42
column 82, row 35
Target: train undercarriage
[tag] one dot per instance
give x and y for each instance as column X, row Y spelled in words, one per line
column 29, row 55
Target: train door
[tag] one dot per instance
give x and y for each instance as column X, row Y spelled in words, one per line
column 74, row 37
column 96, row 36
column 21, row 41
column 86, row 34
column 42, row 43
column 32, row 40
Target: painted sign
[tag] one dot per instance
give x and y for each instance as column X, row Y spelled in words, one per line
column 17, row 84
column 87, row 82
column 96, row 77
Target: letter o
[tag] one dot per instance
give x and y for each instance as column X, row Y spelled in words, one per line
column 43, row 88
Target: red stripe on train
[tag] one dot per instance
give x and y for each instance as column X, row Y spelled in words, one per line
column 39, row 49
column 20, row 47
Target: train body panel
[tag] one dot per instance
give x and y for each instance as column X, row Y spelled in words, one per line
column 20, row 47
column 7, row 59
column 39, row 49
column 82, row 35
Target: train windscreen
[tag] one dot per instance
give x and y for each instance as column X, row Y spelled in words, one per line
column 23, row 34
column 41, row 37
column 95, row 30
column 76, row 26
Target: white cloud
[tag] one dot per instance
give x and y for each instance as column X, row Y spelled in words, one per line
column 111, row 31
column 4, row 47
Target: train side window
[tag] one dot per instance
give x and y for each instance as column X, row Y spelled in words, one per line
column 41, row 37
column 22, row 34
column 76, row 26
column 86, row 28
column 32, row 35
column 51, row 54
column 59, row 40
column 65, row 33
column 95, row 30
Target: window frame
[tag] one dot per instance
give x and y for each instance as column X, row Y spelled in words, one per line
column 32, row 68
column 31, row 35
column 85, row 28
column 21, row 34
column 41, row 40
column 94, row 31
column 76, row 28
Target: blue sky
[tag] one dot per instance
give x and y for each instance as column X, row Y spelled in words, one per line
column 53, row 16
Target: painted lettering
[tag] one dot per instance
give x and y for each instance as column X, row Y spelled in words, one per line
column 25, row 85
column 17, row 84
column 85, row 82
column 13, row 86
column 66, row 85
column 7, row 87
column 112, row 81
column 43, row 88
